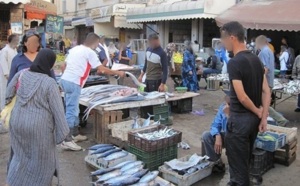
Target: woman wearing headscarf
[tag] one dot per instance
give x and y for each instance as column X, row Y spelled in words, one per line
column 30, row 46
column 189, row 75
column 37, row 123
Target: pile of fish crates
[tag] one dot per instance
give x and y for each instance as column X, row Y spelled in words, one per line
column 154, row 152
column 185, row 180
column 159, row 112
column 271, row 145
column 261, row 162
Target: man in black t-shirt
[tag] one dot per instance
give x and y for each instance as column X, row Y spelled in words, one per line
column 249, row 103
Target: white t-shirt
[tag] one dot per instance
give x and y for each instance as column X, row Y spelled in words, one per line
column 284, row 57
column 79, row 62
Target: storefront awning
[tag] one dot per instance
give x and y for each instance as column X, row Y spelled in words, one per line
column 15, row 1
column 268, row 15
column 178, row 11
column 120, row 22
column 38, row 9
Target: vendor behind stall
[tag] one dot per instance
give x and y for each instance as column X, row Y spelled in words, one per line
column 213, row 140
column 125, row 54
column 156, row 66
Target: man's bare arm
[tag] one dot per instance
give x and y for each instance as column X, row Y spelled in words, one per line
column 244, row 99
column 104, row 63
column 266, row 98
column 103, row 70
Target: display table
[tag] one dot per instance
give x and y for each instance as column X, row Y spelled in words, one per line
column 279, row 95
column 182, row 102
column 110, row 113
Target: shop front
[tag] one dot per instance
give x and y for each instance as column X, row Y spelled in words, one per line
column 274, row 24
column 184, row 20
column 11, row 18
column 111, row 22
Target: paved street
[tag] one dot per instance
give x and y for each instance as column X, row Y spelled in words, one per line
column 74, row 172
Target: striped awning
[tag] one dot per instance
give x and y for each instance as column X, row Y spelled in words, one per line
column 120, row 22
column 15, row 1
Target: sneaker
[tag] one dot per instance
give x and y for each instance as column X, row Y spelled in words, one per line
column 297, row 110
column 79, row 138
column 70, row 145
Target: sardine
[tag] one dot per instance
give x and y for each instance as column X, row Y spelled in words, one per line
column 147, row 121
column 95, row 147
column 133, row 170
column 131, row 165
column 103, row 149
column 122, row 164
column 140, row 173
column 123, row 182
column 149, row 177
column 116, row 155
column 140, row 184
column 135, row 80
column 191, row 170
column 108, row 176
column 102, row 171
column 107, row 153
column 156, row 135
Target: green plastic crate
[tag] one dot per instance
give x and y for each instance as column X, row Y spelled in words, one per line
column 155, row 159
column 156, row 110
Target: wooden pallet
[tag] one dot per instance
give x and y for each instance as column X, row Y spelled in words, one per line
column 286, row 155
column 101, row 120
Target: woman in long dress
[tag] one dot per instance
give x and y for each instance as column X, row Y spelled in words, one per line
column 6, row 56
column 189, row 75
column 37, row 124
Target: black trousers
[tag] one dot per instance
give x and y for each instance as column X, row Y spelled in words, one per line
column 242, row 129
column 152, row 85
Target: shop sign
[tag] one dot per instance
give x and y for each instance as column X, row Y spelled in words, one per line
column 16, row 28
column 16, row 15
column 101, row 12
column 121, row 9
column 54, row 24
column 41, row 5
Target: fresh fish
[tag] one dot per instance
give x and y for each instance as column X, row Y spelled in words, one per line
column 156, row 135
column 140, row 173
column 131, row 165
column 154, row 95
column 136, row 81
column 158, row 121
column 140, row 184
column 128, row 181
column 116, row 155
column 149, row 177
column 147, row 121
column 95, row 147
column 202, row 165
column 133, row 170
column 135, row 124
column 102, row 171
column 116, row 180
column 107, row 153
column 191, row 170
column 108, row 176
column 103, row 149
column 122, row 164
column 184, row 145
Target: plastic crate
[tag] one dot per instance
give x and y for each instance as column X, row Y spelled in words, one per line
column 181, row 89
column 156, row 158
column 291, row 133
column 271, row 146
column 157, row 110
column 185, row 180
column 153, row 145
column 182, row 106
column 261, row 162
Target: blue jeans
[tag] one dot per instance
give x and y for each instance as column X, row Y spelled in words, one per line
column 208, row 71
column 72, row 94
column 209, row 145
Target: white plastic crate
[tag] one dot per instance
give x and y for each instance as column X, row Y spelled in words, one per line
column 185, row 180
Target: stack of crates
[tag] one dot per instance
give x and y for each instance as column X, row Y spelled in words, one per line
column 261, row 161
column 159, row 111
column 154, row 152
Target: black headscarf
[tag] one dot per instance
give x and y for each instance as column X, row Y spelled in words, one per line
column 44, row 62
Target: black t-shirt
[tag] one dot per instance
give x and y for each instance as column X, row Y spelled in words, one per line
column 61, row 45
column 124, row 61
column 247, row 67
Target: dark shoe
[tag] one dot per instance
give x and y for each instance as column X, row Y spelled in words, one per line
column 297, row 110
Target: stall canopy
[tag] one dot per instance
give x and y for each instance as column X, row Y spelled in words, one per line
column 268, row 15
column 38, row 9
column 178, row 11
column 14, row 1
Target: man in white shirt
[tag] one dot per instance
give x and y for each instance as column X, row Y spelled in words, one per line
column 79, row 62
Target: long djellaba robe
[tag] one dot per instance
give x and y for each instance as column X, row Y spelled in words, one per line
column 37, row 125
column 189, row 80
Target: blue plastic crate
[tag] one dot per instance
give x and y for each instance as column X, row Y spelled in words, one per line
column 271, row 146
